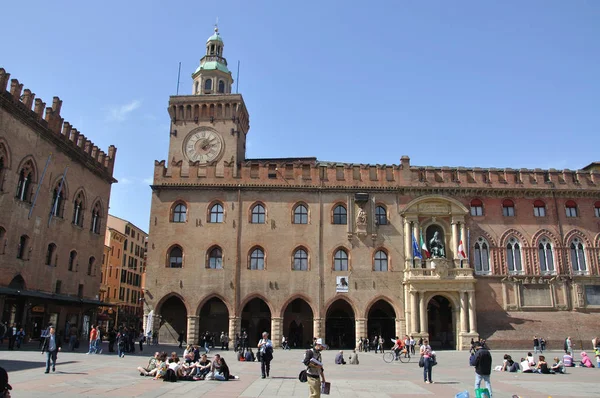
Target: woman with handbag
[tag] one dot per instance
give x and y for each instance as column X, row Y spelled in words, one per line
column 427, row 361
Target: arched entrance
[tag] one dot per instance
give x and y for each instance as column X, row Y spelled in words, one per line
column 440, row 324
column 298, row 324
column 340, row 328
column 14, row 306
column 256, row 318
column 382, row 322
column 214, row 318
column 173, row 320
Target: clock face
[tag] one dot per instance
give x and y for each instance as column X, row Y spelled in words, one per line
column 203, row 146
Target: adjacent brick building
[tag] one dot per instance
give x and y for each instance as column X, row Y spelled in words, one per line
column 301, row 247
column 54, row 196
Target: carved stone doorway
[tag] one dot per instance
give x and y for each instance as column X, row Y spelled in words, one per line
column 441, row 324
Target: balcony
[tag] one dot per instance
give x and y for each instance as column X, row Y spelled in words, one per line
column 440, row 268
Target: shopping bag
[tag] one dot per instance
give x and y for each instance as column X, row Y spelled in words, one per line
column 422, row 362
column 482, row 393
column 325, row 388
column 464, row 394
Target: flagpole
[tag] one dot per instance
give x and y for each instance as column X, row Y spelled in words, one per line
column 37, row 191
column 53, row 210
column 469, row 245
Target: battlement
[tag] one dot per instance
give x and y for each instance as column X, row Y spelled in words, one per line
column 309, row 172
column 213, row 108
column 55, row 126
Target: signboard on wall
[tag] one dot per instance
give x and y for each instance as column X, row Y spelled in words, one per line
column 341, row 284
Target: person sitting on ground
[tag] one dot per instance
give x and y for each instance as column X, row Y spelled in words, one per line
column 161, row 367
column 223, row 374
column 506, row 363
column 531, row 360
column 339, row 358
column 558, row 366
column 152, row 363
column 542, row 366
column 354, row 358
column 568, row 360
column 201, row 369
column 188, row 353
column 586, row 362
column 249, row 356
column 525, row 366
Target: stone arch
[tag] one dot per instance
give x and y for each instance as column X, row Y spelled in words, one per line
column 29, row 158
column 411, row 207
column 447, row 295
column 298, row 317
column 255, row 320
column 597, row 240
column 380, row 321
column 340, row 297
column 18, row 283
column 340, row 324
column 157, row 307
column 577, row 233
column 81, row 190
column 213, row 313
column 556, row 246
column 172, row 311
column 253, row 296
column 476, row 231
column 535, row 240
column 65, row 186
column 5, row 149
column 375, row 299
column 446, row 230
column 211, row 296
column 510, row 232
column 98, row 201
column 294, row 297
column 441, row 326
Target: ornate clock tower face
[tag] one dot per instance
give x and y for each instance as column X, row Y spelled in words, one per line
column 203, row 145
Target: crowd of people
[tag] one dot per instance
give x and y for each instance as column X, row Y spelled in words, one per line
column 193, row 366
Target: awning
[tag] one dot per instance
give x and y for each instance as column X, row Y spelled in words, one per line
column 49, row 296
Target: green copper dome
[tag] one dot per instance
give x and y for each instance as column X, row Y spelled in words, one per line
column 212, row 65
column 215, row 37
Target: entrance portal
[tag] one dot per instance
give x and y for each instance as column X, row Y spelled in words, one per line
column 173, row 321
column 440, row 321
column 256, row 319
column 298, row 324
column 214, row 318
column 340, row 328
column 382, row 322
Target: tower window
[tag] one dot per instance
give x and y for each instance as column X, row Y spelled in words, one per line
column 221, row 86
column 258, row 214
column 381, row 261
column 215, row 258
column 72, row 257
column 508, row 208
column 208, row 84
column 301, row 215
column 175, row 257
column 340, row 260
column 571, row 208
column 50, row 253
column 339, row 215
column 300, row 260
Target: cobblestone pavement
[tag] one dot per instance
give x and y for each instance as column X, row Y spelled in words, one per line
column 81, row 375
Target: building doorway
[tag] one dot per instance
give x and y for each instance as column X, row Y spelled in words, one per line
column 440, row 324
column 382, row 322
column 214, row 318
column 256, row 319
column 298, row 324
column 173, row 320
column 340, row 328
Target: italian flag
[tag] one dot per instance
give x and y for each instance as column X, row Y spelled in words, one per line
column 461, row 251
column 424, row 250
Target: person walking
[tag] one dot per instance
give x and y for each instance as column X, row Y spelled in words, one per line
column 265, row 347
column 483, row 367
column 98, row 340
column 314, row 368
column 425, row 352
column 568, row 347
column 180, row 340
column 93, row 335
column 121, row 342
column 51, row 347
column 536, row 344
column 12, row 336
column 112, row 337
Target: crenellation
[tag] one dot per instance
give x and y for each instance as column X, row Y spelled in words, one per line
column 66, row 130
column 39, row 107
column 81, row 141
column 15, row 89
column 87, row 148
column 28, row 98
column 94, row 152
column 4, row 78
column 101, row 158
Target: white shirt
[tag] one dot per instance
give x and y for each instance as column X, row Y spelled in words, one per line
column 525, row 366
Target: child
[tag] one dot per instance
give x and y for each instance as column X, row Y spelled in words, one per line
column 558, row 366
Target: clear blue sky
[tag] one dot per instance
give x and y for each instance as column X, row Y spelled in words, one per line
column 456, row 83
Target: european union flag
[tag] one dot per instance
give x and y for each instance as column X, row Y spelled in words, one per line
column 416, row 251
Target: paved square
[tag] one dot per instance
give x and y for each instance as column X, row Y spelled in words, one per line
column 80, row 375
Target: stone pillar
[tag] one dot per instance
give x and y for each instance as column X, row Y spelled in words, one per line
column 414, row 326
column 318, row 329
column 234, row 328
column 361, row 328
column 408, row 255
column 276, row 331
column 193, row 323
column 455, row 239
column 472, row 314
column 423, row 313
column 463, row 312
column 401, row 328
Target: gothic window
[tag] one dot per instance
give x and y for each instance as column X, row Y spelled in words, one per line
column 216, row 213
column 179, row 213
column 380, row 261
column 571, row 208
column 300, row 260
column 381, row 215
column 208, row 84
column 25, row 180
column 340, row 215
column 72, row 259
column 340, row 260
column 300, row 214
column 539, row 208
column 508, row 208
column 482, row 257
column 221, row 86
column 578, row 257
column 175, row 257
column 78, row 210
column 258, row 214
column 546, row 256
column 2, row 240
column 22, row 249
column 50, row 254
column 513, row 256
column 56, row 207
column 91, row 263
column 597, row 209
column 95, row 225
column 257, row 259
column 476, row 207
column 215, row 258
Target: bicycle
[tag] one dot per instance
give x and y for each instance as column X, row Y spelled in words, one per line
column 390, row 356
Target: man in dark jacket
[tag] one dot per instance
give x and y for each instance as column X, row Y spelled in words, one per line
column 51, row 346
column 483, row 367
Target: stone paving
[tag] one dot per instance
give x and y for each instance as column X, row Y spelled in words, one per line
column 80, row 375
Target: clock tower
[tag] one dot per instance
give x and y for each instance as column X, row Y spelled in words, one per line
column 209, row 127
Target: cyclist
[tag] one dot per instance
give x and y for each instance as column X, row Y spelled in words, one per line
column 398, row 347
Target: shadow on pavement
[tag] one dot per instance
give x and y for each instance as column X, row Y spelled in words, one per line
column 15, row 366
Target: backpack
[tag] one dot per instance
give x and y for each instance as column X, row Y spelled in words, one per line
column 170, row 375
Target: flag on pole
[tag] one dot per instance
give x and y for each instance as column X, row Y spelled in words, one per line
column 424, row 247
column 461, row 251
column 416, row 252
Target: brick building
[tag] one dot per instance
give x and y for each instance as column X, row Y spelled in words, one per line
column 303, row 248
column 54, row 196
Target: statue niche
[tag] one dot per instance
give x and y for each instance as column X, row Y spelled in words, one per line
column 435, row 241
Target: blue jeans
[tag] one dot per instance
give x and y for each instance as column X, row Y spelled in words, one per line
column 428, row 365
column 98, row 346
column 206, row 347
column 92, row 347
column 120, row 350
column 488, row 385
column 50, row 356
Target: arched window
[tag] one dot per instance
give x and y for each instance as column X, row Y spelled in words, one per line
column 546, row 256
column 340, row 260
column 175, row 257
column 300, row 260
column 23, row 248
column 513, row 256
column 476, row 207
column 50, row 254
column 208, row 84
column 257, row 259
column 215, row 258
column 96, row 212
column 2, row 169
column 78, row 210
column 221, row 86
column 482, row 257
column 381, row 215
column 91, row 263
column 300, row 214
column 2, row 240
column 340, row 215
column 571, row 208
column 57, row 205
column 179, row 213
column 578, row 257
column 508, row 208
column 25, row 180
column 72, row 259
column 539, row 208
column 258, row 214
column 216, row 213
column 380, row 261
column 597, row 209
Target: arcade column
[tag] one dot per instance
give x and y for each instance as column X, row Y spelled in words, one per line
column 276, row 331
column 193, row 323
column 234, row 328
